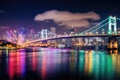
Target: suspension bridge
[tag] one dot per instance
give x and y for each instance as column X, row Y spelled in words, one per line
column 104, row 32
column 106, row 28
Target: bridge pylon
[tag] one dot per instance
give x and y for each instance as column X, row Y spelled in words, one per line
column 112, row 24
column 44, row 34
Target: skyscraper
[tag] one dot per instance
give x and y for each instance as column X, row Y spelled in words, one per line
column 53, row 30
column 31, row 35
column 22, row 35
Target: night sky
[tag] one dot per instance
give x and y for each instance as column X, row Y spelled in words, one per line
column 17, row 13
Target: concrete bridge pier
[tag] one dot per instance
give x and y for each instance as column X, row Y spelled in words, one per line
column 112, row 45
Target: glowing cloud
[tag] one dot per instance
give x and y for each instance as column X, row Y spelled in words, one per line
column 4, row 27
column 68, row 19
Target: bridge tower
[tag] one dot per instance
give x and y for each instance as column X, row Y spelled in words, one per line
column 112, row 23
column 112, row 29
column 44, row 34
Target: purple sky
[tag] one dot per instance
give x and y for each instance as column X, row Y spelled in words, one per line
column 18, row 13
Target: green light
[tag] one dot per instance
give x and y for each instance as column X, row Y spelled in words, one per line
column 109, row 32
column 94, row 27
column 99, row 27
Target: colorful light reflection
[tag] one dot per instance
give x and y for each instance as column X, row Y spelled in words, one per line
column 16, row 63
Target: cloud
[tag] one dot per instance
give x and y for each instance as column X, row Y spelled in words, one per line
column 4, row 27
column 67, row 18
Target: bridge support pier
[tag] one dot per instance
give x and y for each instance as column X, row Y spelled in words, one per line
column 112, row 45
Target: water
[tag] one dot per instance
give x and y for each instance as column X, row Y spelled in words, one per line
column 59, row 64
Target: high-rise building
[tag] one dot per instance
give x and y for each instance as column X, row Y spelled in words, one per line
column 31, row 35
column 53, row 30
column 22, row 35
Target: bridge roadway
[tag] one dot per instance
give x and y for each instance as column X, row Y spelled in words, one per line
column 75, row 36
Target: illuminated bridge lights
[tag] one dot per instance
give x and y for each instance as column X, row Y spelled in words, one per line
column 110, row 21
column 73, row 36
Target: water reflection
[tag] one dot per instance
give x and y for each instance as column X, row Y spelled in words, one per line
column 59, row 64
column 16, row 64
